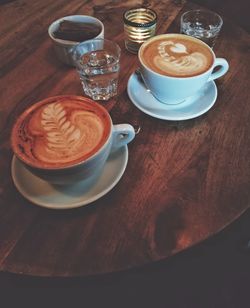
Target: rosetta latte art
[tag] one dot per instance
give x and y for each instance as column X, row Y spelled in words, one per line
column 67, row 137
column 174, row 57
column 60, row 131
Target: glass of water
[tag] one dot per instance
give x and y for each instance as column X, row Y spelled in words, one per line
column 98, row 63
column 202, row 24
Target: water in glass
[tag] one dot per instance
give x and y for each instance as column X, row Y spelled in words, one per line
column 99, row 74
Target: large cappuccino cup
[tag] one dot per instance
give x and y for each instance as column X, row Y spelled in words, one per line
column 67, row 139
column 175, row 67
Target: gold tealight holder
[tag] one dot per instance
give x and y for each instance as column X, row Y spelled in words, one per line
column 139, row 25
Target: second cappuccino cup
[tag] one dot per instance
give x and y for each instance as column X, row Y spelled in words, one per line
column 174, row 67
column 67, row 139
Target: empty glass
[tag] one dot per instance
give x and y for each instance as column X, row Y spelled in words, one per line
column 202, row 24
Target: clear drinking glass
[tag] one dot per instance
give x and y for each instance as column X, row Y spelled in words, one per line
column 202, row 24
column 98, row 63
column 139, row 25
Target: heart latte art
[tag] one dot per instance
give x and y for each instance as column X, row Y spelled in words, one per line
column 177, row 56
column 60, row 131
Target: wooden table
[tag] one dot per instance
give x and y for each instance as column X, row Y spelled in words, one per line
column 184, row 181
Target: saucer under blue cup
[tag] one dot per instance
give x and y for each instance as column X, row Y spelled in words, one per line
column 60, row 197
column 191, row 108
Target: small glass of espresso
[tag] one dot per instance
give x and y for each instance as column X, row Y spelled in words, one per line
column 202, row 24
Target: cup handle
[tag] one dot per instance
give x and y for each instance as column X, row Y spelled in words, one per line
column 221, row 71
column 122, row 134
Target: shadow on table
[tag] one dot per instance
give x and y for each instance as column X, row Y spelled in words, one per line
column 236, row 11
column 215, row 273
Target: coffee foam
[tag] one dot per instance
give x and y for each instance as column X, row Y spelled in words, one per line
column 177, row 56
column 60, row 131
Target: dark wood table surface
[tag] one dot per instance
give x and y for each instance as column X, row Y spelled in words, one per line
column 185, row 181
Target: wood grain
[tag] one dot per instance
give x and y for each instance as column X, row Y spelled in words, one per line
column 184, row 181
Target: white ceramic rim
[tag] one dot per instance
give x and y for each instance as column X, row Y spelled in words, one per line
column 71, row 17
column 168, row 117
column 58, row 206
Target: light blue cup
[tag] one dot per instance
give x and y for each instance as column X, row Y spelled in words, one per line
column 174, row 90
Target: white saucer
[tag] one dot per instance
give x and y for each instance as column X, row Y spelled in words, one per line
column 50, row 196
column 190, row 108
